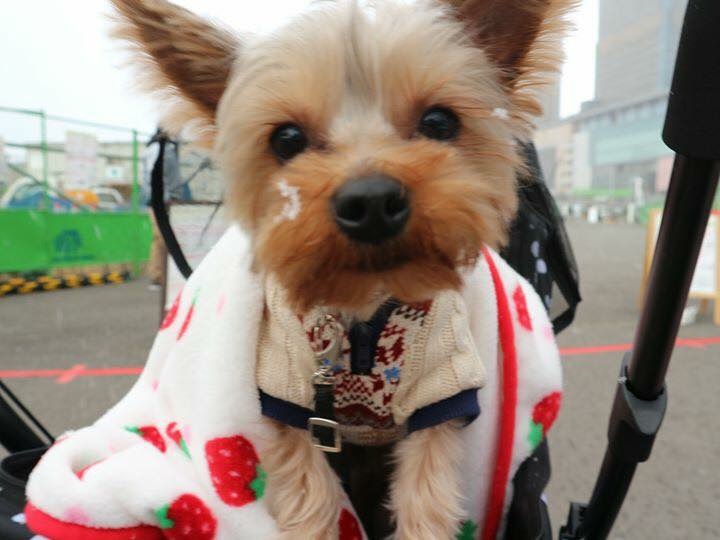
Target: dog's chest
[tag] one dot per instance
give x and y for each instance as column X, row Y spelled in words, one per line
column 404, row 360
column 372, row 360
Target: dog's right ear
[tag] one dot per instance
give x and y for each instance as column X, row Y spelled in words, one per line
column 523, row 38
column 182, row 56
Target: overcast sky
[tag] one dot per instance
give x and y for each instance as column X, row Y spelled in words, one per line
column 56, row 56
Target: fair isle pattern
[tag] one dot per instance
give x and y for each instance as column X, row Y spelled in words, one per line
column 365, row 400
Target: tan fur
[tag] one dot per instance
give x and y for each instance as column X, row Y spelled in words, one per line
column 183, row 58
column 425, row 494
column 522, row 38
column 358, row 84
column 303, row 493
column 464, row 193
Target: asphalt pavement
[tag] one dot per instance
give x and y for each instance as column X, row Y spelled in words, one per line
column 67, row 354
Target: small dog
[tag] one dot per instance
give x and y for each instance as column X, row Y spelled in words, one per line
column 370, row 152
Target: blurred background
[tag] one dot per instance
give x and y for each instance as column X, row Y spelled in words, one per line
column 84, row 279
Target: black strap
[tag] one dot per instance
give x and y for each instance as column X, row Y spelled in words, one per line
column 324, row 408
column 324, row 400
column 364, row 336
column 157, row 202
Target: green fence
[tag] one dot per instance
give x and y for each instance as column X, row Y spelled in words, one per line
column 45, row 151
column 58, row 231
column 37, row 240
column 63, row 166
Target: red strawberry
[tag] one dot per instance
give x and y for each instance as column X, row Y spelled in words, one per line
column 173, row 432
column 171, row 313
column 235, row 470
column 187, row 518
column 546, row 410
column 521, row 308
column 150, row 434
column 348, row 526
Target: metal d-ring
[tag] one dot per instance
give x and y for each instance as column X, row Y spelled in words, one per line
column 317, row 337
column 331, row 352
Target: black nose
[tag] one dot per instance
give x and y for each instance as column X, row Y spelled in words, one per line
column 371, row 208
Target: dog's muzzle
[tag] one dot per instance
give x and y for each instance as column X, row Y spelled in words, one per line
column 371, row 209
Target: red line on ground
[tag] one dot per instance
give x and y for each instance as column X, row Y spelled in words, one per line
column 695, row 343
column 64, row 376
column 70, row 374
column 104, row 372
column 598, row 349
column 30, row 373
column 59, row 373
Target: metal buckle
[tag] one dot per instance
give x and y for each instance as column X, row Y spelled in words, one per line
column 314, row 422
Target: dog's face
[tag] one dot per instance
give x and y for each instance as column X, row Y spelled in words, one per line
column 367, row 150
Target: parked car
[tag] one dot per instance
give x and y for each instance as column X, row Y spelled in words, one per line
column 27, row 193
column 110, row 199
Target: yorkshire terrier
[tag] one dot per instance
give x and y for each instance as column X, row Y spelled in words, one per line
column 370, row 151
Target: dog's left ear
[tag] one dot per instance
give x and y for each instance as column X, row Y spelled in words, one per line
column 184, row 57
column 521, row 37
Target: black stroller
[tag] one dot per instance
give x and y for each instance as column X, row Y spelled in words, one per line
column 691, row 130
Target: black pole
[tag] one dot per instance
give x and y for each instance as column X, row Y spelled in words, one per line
column 16, row 433
column 689, row 201
column 692, row 130
column 612, row 485
column 641, row 399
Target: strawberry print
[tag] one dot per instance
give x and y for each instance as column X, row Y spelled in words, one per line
column 188, row 317
column 171, row 314
column 348, row 526
column 468, row 530
column 151, row 434
column 186, row 518
column 174, row 434
column 235, row 470
column 547, row 409
column 544, row 414
column 521, row 308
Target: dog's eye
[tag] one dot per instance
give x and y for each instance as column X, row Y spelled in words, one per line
column 287, row 141
column 439, row 123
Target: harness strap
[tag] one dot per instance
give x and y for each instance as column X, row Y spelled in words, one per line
column 323, row 428
column 157, row 202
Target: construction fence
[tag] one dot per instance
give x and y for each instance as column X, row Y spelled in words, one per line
column 72, row 196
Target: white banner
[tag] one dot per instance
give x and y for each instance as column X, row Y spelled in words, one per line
column 197, row 228
column 81, row 160
column 705, row 280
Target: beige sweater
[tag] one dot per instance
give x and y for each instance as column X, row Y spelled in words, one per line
column 425, row 354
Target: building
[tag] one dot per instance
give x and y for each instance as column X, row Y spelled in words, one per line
column 623, row 142
column 555, row 151
column 616, row 139
column 550, row 102
column 637, row 41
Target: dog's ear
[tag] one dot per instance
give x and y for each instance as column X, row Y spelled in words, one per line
column 182, row 56
column 522, row 38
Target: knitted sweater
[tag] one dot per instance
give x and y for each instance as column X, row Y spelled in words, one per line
column 418, row 358
column 180, row 456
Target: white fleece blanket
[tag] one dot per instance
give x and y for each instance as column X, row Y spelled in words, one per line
column 180, row 456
